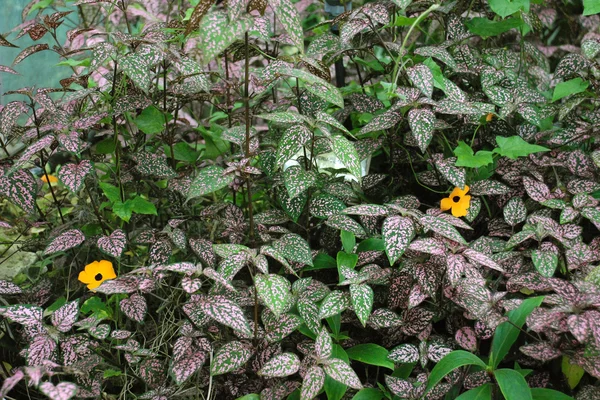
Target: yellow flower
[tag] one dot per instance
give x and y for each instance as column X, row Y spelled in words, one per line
column 458, row 201
column 96, row 273
column 489, row 117
column 51, row 178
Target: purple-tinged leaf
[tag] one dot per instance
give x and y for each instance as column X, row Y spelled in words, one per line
column 397, row 234
column 339, row 371
column 65, row 241
column 204, row 250
column 313, row 382
column 71, row 142
column 343, row 222
column 120, row 334
column 416, row 320
column 64, row 318
column 114, row 244
column 274, row 291
column 545, row 262
column 151, row 164
column 361, row 296
column 8, row 288
column 542, row 351
column 134, row 307
column 230, row 357
column 515, row 211
column 400, row 387
column 186, row 363
column 62, row 391
column 404, row 354
column 488, row 188
column 537, row 190
column 73, row 175
column 36, row 48
column 10, row 382
column 479, row 258
column 428, row 245
column 280, row 366
column 24, row 314
column 123, row 284
column 466, row 338
column 323, row 345
column 152, row 371
column 456, row 176
column 422, row 125
column 20, row 188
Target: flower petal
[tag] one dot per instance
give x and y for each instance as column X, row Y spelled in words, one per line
column 84, row 277
column 460, row 209
column 446, row 204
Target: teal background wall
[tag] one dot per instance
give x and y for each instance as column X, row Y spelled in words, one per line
column 37, row 70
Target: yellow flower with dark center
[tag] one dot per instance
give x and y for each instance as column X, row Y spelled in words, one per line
column 97, row 272
column 458, row 201
column 49, row 179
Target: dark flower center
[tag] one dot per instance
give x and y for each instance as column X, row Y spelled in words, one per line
column 456, row 199
column 98, row 277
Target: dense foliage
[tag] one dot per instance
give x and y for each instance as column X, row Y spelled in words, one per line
column 198, row 212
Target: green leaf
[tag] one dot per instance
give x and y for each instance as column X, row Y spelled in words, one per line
column 110, row 191
column 150, row 121
column 368, row 394
column 109, row 373
column 591, row 7
column 274, row 291
column 572, row 372
column 182, row 152
column 123, row 210
column 512, row 384
column 371, row 354
column 485, row 28
column 548, row 394
column 514, row 147
column 504, row 8
column 348, row 240
column 208, row 180
column 573, row 86
column 507, row 332
column 483, row 392
column 142, row 206
column 106, row 146
column 347, row 154
column 465, row 156
column 449, row 363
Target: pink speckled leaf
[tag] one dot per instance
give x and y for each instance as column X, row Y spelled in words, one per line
column 274, row 291
column 24, row 314
column 10, row 114
column 41, row 144
column 313, row 382
column 361, row 296
column 7, row 287
column 186, row 360
column 36, row 48
column 152, row 164
column 397, row 234
column 280, row 366
column 42, row 349
column 333, row 304
column 134, row 307
column 225, row 312
column 422, row 124
column 442, row 227
column 466, row 338
column 515, row 211
column 291, row 141
column 404, row 354
column 230, row 357
column 204, row 250
column 208, row 180
column 339, row 371
column 100, row 332
column 290, row 19
column 381, row 122
column 62, row 391
column 216, row 33
column 152, row 371
column 537, row 190
column 114, row 244
column 420, row 75
column 294, row 248
column 64, row 318
column 542, row 351
column 20, row 188
column 71, row 142
column 65, row 241
column 10, row 382
column 323, row 345
column 73, row 175
column 309, row 312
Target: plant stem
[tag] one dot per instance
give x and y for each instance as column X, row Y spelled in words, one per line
column 248, row 121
